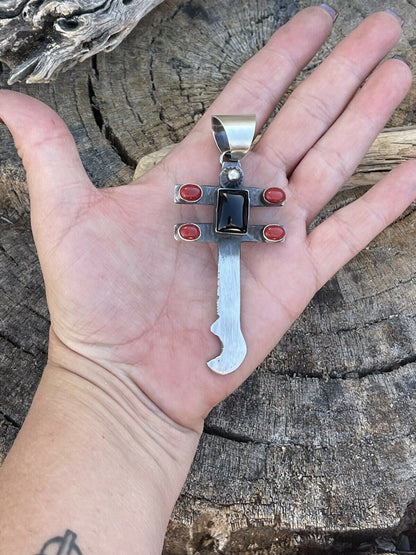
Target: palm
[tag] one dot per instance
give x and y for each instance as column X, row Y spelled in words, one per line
column 122, row 292
column 118, row 250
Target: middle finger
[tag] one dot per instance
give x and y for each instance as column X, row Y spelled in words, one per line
column 320, row 99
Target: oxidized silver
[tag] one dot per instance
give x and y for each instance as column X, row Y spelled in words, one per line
column 233, row 136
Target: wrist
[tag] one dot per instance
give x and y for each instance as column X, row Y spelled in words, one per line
column 118, row 396
column 129, row 421
column 126, row 459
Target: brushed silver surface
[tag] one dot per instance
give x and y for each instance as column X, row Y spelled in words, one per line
column 234, row 135
column 227, row 326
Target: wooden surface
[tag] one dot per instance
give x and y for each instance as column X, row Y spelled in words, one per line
column 40, row 39
column 318, row 447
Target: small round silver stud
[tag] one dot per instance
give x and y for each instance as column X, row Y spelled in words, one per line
column 233, row 174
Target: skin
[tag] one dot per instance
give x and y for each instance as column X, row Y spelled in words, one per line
column 126, row 388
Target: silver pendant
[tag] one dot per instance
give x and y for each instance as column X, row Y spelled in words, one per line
column 233, row 136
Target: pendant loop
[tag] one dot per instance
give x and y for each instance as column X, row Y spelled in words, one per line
column 233, row 135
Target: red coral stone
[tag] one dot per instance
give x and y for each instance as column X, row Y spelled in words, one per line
column 274, row 232
column 274, row 195
column 189, row 232
column 190, row 192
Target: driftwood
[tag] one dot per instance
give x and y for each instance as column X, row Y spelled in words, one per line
column 317, row 448
column 40, row 39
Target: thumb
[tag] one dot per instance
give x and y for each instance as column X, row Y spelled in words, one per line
column 56, row 178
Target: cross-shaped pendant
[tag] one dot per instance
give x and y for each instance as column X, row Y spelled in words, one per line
column 233, row 136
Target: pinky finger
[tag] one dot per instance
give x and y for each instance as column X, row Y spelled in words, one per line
column 344, row 234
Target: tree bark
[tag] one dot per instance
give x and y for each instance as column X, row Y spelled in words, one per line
column 317, row 448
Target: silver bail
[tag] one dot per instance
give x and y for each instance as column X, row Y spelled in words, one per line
column 233, row 135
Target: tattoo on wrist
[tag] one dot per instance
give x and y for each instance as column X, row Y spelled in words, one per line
column 61, row 545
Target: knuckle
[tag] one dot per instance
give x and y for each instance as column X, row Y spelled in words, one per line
column 332, row 160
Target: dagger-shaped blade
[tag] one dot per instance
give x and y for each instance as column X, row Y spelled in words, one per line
column 227, row 326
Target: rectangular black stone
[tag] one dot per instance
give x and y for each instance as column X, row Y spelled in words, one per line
column 232, row 211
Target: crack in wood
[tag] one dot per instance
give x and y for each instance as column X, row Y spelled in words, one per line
column 350, row 375
column 94, row 66
column 36, row 313
column 107, row 130
column 10, row 420
column 8, row 255
column 151, row 74
column 353, row 328
column 16, row 345
column 177, row 10
column 216, row 431
column 411, row 359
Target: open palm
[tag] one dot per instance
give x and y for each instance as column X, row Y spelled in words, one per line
column 124, row 294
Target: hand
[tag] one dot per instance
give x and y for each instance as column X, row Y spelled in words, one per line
column 126, row 297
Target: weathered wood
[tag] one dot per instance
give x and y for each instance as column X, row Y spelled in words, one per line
column 341, row 455
column 392, row 146
column 318, row 446
column 40, row 39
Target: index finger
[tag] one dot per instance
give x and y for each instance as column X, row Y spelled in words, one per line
column 259, row 84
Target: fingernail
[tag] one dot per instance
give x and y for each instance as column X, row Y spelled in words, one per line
column 397, row 57
column 396, row 15
column 332, row 11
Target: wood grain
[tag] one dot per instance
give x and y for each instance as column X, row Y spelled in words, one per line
column 40, row 39
column 317, row 448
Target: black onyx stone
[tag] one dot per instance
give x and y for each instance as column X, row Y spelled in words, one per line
column 232, row 211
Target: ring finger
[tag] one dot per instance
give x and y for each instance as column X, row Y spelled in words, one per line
column 331, row 161
column 319, row 100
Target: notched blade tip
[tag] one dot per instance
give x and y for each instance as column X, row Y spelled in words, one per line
column 216, row 365
column 222, row 365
